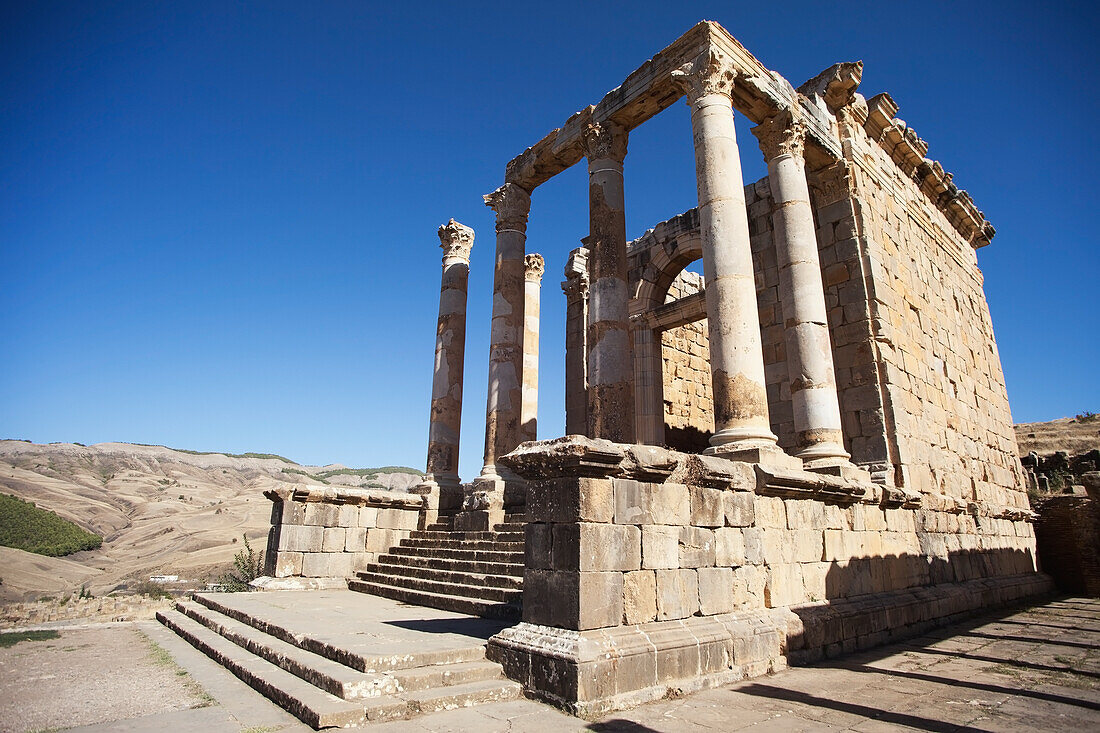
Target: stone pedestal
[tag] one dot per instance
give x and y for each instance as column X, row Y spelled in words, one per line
column 742, row 427
column 609, row 342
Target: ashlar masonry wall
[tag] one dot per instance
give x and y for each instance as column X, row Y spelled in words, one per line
column 335, row 531
column 648, row 569
column 685, row 355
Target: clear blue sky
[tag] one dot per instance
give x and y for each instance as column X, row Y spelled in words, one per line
column 217, row 220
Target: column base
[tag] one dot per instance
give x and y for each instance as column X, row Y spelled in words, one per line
column 443, row 495
column 589, row 673
column 482, row 504
column 766, row 454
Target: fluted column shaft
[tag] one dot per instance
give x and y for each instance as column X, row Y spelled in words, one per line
column 575, row 288
column 806, row 323
column 609, row 342
column 504, row 401
column 532, row 283
column 737, row 364
column 450, row 348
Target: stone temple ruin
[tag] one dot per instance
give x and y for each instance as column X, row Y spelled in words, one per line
column 806, row 452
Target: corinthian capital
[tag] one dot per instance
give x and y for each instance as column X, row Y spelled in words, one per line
column 604, row 140
column 511, row 204
column 712, row 72
column 533, row 267
column 456, row 240
column 576, row 274
column 781, row 134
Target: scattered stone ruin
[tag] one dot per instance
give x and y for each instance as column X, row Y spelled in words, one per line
column 806, row 452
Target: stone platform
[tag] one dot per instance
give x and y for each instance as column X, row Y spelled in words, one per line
column 340, row 658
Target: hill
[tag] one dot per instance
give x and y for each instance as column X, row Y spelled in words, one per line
column 1074, row 435
column 159, row 510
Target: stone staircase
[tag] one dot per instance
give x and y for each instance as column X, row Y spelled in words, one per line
column 326, row 685
column 479, row 573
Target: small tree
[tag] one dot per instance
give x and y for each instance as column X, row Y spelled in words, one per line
column 247, row 566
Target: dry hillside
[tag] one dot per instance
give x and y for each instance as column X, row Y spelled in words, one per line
column 1074, row 435
column 158, row 510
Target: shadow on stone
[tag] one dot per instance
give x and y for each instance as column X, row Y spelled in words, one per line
column 617, row 724
column 866, row 711
column 478, row 628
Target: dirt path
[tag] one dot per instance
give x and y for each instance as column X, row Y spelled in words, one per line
column 89, row 676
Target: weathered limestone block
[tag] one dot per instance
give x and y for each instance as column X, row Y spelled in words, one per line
column 807, row 545
column 573, row 600
column 706, row 507
column 288, row 564
column 739, row 508
column 754, row 546
column 368, row 516
column 696, row 547
column 784, row 586
column 321, row 515
column 579, row 499
column 333, row 539
column 729, row 546
column 596, row 547
column 677, row 594
column 805, row 514
column 639, row 597
column 770, row 512
column 328, row 565
column 397, row 519
column 660, row 546
column 355, row 539
column 646, row 503
column 716, row 591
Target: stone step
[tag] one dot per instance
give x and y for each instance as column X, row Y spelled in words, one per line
column 311, row 705
column 450, row 577
column 361, row 662
column 470, row 604
column 494, row 536
column 464, row 695
column 464, row 566
column 446, row 675
column 485, row 593
column 443, row 553
column 332, row 677
column 453, row 544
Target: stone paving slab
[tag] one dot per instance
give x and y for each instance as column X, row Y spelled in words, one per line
column 362, row 623
column 1027, row 670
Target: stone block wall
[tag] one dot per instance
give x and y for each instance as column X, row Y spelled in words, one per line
column 633, row 542
column 1067, row 536
column 685, row 355
column 946, row 402
column 326, row 532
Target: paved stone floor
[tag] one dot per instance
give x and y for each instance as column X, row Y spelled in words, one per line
column 1032, row 669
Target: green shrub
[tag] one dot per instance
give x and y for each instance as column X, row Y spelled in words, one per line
column 1086, row 416
column 247, row 566
column 152, row 590
column 26, row 527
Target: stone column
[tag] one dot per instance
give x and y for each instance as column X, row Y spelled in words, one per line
column 742, row 426
column 609, row 342
column 483, row 505
column 534, row 266
column 575, row 288
column 802, row 296
column 648, row 381
column 441, row 482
